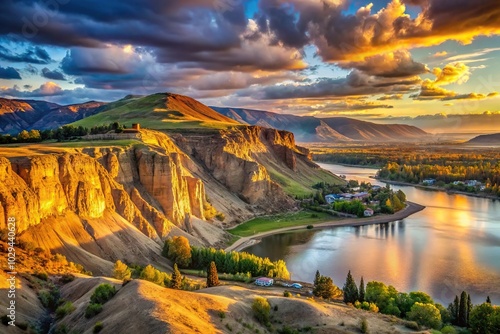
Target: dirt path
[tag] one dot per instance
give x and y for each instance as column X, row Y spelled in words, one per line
column 410, row 209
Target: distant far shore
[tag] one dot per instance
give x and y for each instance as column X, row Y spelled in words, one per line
column 410, row 209
column 434, row 188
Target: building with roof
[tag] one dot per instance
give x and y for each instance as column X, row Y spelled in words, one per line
column 264, row 281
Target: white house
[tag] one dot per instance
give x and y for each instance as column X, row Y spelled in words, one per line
column 264, row 281
column 368, row 212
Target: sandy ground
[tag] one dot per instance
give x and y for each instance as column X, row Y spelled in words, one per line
column 143, row 307
column 410, row 209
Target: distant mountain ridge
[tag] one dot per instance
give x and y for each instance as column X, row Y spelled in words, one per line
column 18, row 115
column 486, row 139
column 332, row 129
column 172, row 111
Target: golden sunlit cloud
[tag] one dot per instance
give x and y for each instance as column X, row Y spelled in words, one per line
column 440, row 54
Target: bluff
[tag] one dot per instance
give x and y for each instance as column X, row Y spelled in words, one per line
column 92, row 204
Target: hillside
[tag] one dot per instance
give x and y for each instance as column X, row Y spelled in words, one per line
column 330, row 129
column 17, row 115
column 159, row 111
column 491, row 139
column 90, row 202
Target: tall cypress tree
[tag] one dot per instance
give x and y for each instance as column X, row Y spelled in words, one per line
column 469, row 308
column 350, row 289
column 362, row 290
column 176, row 282
column 317, row 277
column 488, row 300
column 453, row 308
column 212, row 277
column 463, row 310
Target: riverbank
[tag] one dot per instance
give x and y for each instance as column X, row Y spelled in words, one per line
column 410, row 209
column 434, row 188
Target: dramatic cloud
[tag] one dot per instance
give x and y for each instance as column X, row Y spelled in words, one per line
column 52, row 75
column 356, row 83
column 389, row 65
column 341, row 37
column 34, row 55
column 391, row 97
column 9, row 73
column 440, row 54
column 452, row 73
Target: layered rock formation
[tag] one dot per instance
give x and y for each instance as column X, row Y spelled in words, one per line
column 84, row 201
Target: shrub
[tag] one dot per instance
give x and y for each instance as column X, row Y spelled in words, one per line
column 448, row 330
column 261, row 309
column 98, row 327
column 287, row 294
column 93, row 309
column 61, row 329
column 64, row 310
column 220, row 216
column 222, row 314
column 425, row 315
column 49, row 298
column 121, row 271
column 412, row 325
column 5, row 320
column 102, row 293
column 66, row 278
column 42, row 275
column 373, row 308
column 310, row 227
column 363, row 326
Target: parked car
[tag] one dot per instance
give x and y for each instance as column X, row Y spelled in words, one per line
column 296, row 285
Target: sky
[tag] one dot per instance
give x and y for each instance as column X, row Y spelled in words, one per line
column 373, row 60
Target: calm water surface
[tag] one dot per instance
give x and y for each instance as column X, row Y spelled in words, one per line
column 450, row 246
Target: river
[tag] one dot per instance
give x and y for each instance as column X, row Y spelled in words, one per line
column 450, row 246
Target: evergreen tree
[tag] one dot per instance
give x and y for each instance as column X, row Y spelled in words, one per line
column 350, row 290
column 469, row 308
column 325, row 288
column 212, row 277
column 463, row 310
column 362, row 290
column 488, row 300
column 453, row 308
column 176, row 282
column 318, row 276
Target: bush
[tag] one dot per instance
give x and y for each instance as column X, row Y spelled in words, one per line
column 92, row 310
column 412, row 325
column 222, row 314
column 64, row 310
column 220, row 216
column 287, row 294
column 425, row 315
column 261, row 309
column 42, row 275
column 66, row 278
column 448, row 330
column 310, row 227
column 98, row 327
column 363, row 326
column 49, row 298
column 102, row 293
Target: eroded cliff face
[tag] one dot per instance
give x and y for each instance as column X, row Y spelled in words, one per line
column 238, row 157
column 83, row 201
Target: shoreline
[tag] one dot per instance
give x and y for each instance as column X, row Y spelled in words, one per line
column 410, row 209
column 434, row 188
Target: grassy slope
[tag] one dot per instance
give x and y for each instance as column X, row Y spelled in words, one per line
column 269, row 223
column 154, row 112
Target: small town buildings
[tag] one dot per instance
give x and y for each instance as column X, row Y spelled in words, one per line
column 360, row 195
column 368, row 212
column 136, row 128
column 264, row 281
column 330, row 198
column 376, row 187
column 429, row 182
column 472, row 183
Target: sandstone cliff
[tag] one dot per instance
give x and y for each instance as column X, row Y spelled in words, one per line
column 96, row 205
